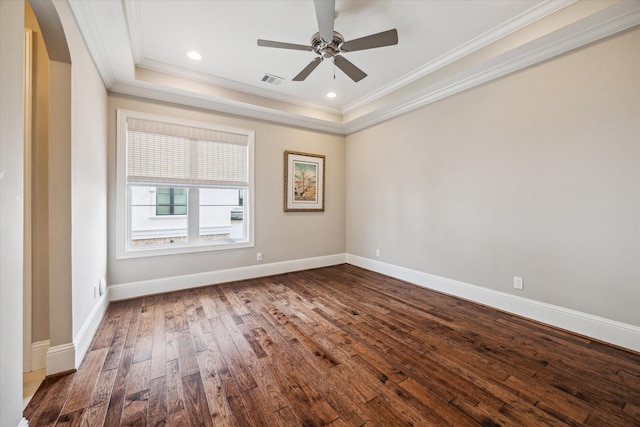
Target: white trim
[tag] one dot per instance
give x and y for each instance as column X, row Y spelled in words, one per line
column 176, row 96
column 167, row 284
column 83, row 13
column 524, row 19
column 123, row 196
column 24, row 423
column 208, row 79
column 133, row 22
column 87, row 331
column 619, row 17
column 613, row 19
column 61, row 358
column 600, row 328
column 67, row 357
column 27, row 276
column 39, row 354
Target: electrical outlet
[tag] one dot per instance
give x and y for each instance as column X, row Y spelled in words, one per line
column 518, row 282
column 377, row 252
column 259, row 256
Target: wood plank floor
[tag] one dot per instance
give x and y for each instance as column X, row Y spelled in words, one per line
column 337, row 346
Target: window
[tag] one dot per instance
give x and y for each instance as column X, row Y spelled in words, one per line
column 182, row 186
column 171, row 201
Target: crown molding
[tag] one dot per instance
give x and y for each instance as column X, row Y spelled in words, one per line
column 544, row 9
column 228, row 107
column 229, row 84
column 133, row 22
column 617, row 18
column 85, row 20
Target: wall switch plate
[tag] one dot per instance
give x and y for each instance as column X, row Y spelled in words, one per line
column 377, row 252
column 518, row 282
column 259, row 256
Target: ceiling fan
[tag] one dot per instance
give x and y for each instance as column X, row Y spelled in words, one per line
column 328, row 43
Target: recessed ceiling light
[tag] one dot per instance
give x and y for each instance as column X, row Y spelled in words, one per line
column 331, row 95
column 194, row 55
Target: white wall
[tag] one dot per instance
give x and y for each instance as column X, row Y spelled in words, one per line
column 535, row 175
column 11, row 210
column 280, row 236
column 88, row 172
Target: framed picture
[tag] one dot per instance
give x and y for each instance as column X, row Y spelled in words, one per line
column 303, row 182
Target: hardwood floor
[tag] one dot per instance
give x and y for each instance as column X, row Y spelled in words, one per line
column 30, row 383
column 337, row 346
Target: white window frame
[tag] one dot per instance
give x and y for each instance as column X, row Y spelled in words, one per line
column 123, row 197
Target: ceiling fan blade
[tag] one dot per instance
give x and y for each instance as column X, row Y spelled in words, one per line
column 280, row 45
column 385, row 38
column 354, row 73
column 307, row 70
column 325, row 13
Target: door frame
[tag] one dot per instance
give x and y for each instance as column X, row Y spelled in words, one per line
column 27, row 251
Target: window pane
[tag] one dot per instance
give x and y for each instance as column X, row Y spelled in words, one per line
column 180, row 196
column 171, row 201
column 221, row 216
column 179, row 201
column 163, row 199
column 146, row 229
column 163, row 210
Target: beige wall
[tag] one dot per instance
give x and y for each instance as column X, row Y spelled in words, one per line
column 60, row 221
column 279, row 236
column 40, row 181
column 534, row 175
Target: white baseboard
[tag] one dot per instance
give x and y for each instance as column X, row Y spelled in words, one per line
column 89, row 328
column 24, row 423
column 61, row 358
column 600, row 328
column 167, row 284
column 39, row 354
column 67, row 357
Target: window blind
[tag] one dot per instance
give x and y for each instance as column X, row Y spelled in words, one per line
column 180, row 155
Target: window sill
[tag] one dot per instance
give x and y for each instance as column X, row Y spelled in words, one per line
column 179, row 249
column 167, row 217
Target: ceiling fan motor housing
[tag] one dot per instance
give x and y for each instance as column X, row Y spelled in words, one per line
column 327, row 50
column 332, row 49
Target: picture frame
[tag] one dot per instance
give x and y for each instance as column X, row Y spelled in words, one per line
column 303, row 182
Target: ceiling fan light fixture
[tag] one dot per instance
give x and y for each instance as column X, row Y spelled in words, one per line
column 192, row 54
column 329, row 44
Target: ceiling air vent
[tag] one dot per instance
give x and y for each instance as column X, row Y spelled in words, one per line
column 272, row 80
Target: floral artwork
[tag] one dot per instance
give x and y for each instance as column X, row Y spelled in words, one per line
column 304, row 182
